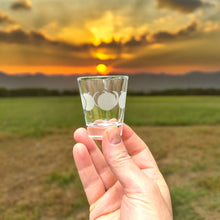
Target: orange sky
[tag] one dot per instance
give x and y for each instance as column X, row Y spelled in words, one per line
column 59, row 37
column 67, row 70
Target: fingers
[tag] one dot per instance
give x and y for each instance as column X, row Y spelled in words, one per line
column 108, row 203
column 92, row 183
column 126, row 171
column 143, row 158
column 106, row 175
column 138, row 150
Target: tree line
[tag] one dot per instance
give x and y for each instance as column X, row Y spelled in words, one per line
column 179, row 92
column 22, row 92
column 25, row 92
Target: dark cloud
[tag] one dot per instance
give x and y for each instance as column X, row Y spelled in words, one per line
column 35, row 38
column 21, row 4
column 38, row 39
column 158, row 37
column 184, row 6
column 149, row 39
column 5, row 19
column 163, row 36
column 21, row 37
column 134, row 42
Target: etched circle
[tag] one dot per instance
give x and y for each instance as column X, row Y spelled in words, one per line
column 107, row 101
column 122, row 100
column 83, row 101
column 89, row 102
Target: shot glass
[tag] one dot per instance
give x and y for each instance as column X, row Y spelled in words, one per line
column 103, row 100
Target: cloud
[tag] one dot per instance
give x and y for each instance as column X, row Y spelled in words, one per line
column 4, row 18
column 155, row 38
column 19, row 36
column 211, row 26
column 184, row 6
column 111, row 52
column 35, row 38
column 162, row 36
column 21, row 4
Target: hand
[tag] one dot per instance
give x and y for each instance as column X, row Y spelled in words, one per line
column 124, row 182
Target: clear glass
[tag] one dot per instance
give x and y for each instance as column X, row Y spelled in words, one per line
column 103, row 101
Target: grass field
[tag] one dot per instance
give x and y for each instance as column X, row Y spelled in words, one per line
column 41, row 116
column 38, row 175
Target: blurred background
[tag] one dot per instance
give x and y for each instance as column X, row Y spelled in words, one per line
column 170, row 50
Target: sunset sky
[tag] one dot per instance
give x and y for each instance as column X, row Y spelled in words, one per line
column 74, row 36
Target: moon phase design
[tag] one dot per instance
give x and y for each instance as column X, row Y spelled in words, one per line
column 83, row 101
column 88, row 102
column 107, row 101
column 122, row 100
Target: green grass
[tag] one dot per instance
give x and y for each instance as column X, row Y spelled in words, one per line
column 182, row 199
column 180, row 110
column 62, row 180
column 40, row 116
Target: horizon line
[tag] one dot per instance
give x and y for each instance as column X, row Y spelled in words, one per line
column 110, row 73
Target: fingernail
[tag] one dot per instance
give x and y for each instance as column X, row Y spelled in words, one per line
column 113, row 135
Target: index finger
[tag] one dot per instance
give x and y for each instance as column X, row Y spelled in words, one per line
column 81, row 136
column 92, row 183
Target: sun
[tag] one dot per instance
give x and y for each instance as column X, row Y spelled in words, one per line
column 102, row 68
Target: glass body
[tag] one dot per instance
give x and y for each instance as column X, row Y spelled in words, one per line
column 103, row 101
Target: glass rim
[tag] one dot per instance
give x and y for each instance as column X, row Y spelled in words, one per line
column 102, row 77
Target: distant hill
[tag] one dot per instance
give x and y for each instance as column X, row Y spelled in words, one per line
column 141, row 82
column 195, row 80
column 39, row 80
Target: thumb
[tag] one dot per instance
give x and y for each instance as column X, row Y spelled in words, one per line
column 121, row 163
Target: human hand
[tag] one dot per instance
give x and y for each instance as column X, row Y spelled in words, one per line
column 124, row 181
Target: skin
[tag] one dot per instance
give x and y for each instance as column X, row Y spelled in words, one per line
column 123, row 180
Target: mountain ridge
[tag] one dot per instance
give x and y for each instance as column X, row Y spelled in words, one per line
column 138, row 82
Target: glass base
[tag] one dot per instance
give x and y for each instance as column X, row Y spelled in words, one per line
column 96, row 130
